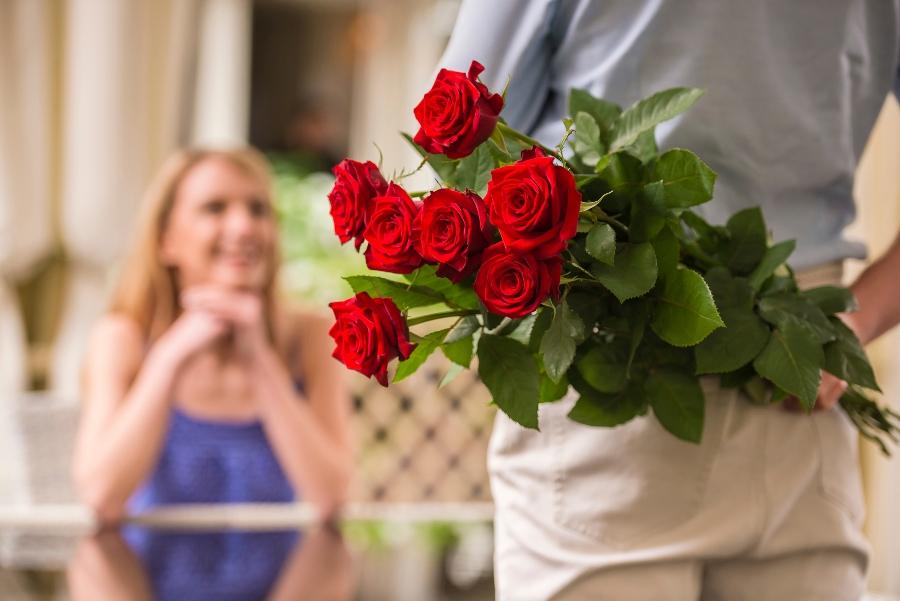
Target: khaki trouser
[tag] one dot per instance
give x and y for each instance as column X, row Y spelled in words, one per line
column 768, row 507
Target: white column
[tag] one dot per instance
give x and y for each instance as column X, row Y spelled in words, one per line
column 401, row 43
column 222, row 101
column 26, row 179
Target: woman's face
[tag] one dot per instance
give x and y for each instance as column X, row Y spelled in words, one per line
column 221, row 229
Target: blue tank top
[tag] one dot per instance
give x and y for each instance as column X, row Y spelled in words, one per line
column 206, row 461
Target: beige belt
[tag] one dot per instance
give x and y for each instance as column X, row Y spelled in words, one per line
column 826, row 274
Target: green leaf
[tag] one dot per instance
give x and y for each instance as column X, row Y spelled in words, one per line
column 648, row 213
column 639, row 316
column 604, row 113
column 459, row 296
column 791, row 360
column 460, row 351
column 552, row 391
column 474, row 171
column 452, row 371
column 423, row 350
column 747, row 244
column 846, row 359
column 467, row 326
column 728, row 290
column 558, row 344
column 788, row 307
column 539, row 328
column 601, row 243
column 622, row 171
column 733, row 346
column 678, row 402
column 509, row 371
column 588, row 307
column 774, row 256
column 687, row 180
column 404, row 297
column 686, row 313
column 587, row 139
column 606, row 410
column 831, row 299
column 667, row 249
column 650, row 112
column 603, row 367
column 633, row 274
column 644, row 147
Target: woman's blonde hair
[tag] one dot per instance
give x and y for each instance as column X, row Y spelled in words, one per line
column 147, row 289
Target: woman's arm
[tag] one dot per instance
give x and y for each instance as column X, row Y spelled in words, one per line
column 311, row 435
column 126, row 405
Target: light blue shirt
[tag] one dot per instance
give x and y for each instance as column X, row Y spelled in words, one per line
column 793, row 88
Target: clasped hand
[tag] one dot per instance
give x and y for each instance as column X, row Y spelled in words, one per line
column 213, row 313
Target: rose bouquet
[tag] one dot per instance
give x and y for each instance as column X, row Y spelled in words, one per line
column 583, row 266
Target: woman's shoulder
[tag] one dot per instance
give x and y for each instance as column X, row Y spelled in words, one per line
column 304, row 320
column 305, row 332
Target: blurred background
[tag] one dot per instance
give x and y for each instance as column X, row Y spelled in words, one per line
column 94, row 94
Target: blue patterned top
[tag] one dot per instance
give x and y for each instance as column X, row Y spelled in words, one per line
column 205, row 461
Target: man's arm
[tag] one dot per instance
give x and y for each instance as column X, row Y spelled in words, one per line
column 877, row 291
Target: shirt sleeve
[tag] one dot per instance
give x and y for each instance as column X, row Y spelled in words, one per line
column 513, row 40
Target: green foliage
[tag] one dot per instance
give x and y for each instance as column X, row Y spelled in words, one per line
column 687, row 181
column 404, row 295
column 791, row 360
column 558, row 343
column 845, row 358
column 601, row 243
column 652, row 293
column 677, row 401
column 633, row 272
column 650, row 112
column 459, row 351
column 686, row 312
column 423, row 350
column 509, row 370
column 594, row 408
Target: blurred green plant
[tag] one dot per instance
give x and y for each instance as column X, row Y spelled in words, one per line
column 313, row 261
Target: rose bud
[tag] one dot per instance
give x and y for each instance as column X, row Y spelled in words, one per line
column 369, row 333
column 457, row 114
column 512, row 284
column 534, row 204
column 393, row 232
column 355, row 186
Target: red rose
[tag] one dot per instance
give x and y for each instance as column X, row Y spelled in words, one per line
column 534, row 204
column 355, row 186
column 369, row 333
column 512, row 284
column 457, row 114
column 455, row 231
column 393, row 232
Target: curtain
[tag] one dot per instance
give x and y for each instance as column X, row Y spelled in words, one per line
column 127, row 70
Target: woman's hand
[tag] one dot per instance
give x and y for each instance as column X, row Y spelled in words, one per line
column 242, row 312
column 193, row 331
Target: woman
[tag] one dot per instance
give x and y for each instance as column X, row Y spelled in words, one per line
column 199, row 386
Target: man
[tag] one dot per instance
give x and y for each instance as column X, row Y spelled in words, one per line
column 769, row 506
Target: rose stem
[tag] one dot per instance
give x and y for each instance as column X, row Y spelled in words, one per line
column 425, row 318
